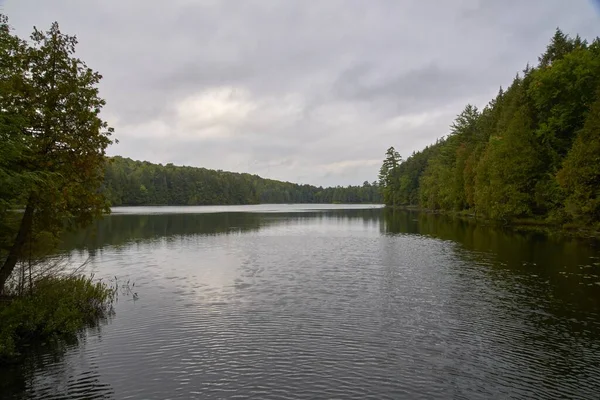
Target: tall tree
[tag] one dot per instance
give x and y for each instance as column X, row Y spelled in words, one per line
column 580, row 174
column 512, row 166
column 388, row 176
column 560, row 45
column 63, row 135
column 11, row 123
column 504, row 162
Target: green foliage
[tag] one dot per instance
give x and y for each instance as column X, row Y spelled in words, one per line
column 509, row 171
column 57, row 306
column 561, row 94
column 69, row 138
column 12, row 145
column 447, row 181
column 580, row 174
column 388, row 176
column 53, row 140
column 532, row 152
column 130, row 183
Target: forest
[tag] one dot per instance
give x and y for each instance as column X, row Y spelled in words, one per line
column 532, row 153
column 133, row 183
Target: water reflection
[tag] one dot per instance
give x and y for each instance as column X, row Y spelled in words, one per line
column 62, row 377
column 121, row 229
column 547, row 288
column 563, row 267
column 347, row 304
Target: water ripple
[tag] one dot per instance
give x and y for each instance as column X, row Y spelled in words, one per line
column 329, row 308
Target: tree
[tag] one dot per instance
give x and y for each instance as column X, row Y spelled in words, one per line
column 531, row 152
column 11, row 124
column 388, row 175
column 562, row 94
column 559, row 46
column 580, row 174
column 512, row 168
column 129, row 182
column 62, row 139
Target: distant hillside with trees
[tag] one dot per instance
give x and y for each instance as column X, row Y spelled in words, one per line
column 133, row 183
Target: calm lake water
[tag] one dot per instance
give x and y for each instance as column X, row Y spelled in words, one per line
column 302, row 302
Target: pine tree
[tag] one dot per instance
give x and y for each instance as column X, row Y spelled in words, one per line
column 388, row 176
column 580, row 174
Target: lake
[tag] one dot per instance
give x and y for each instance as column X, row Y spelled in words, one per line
column 313, row 301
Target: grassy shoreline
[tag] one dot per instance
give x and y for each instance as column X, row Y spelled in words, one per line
column 56, row 307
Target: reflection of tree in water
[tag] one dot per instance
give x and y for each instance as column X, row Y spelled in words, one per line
column 524, row 254
column 120, row 229
column 547, row 284
column 76, row 379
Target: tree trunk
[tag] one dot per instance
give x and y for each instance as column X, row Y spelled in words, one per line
column 16, row 250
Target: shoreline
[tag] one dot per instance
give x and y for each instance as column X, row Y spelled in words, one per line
column 517, row 225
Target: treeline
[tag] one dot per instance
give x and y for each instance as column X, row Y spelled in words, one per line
column 532, row 152
column 131, row 183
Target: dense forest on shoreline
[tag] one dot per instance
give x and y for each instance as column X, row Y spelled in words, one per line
column 133, row 183
column 532, row 152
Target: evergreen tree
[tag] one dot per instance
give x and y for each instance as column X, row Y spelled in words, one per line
column 511, row 168
column 531, row 152
column 560, row 45
column 388, row 176
column 52, row 101
column 580, row 174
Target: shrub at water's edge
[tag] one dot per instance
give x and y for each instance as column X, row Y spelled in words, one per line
column 56, row 307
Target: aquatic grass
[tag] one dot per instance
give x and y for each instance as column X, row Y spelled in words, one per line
column 57, row 306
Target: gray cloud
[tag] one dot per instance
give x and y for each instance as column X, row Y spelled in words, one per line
column 312, row 92
column 425, row 87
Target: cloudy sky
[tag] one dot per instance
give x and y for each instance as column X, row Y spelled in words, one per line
column 310, row 91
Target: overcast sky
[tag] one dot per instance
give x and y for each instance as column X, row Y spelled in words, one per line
column 310, row 91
